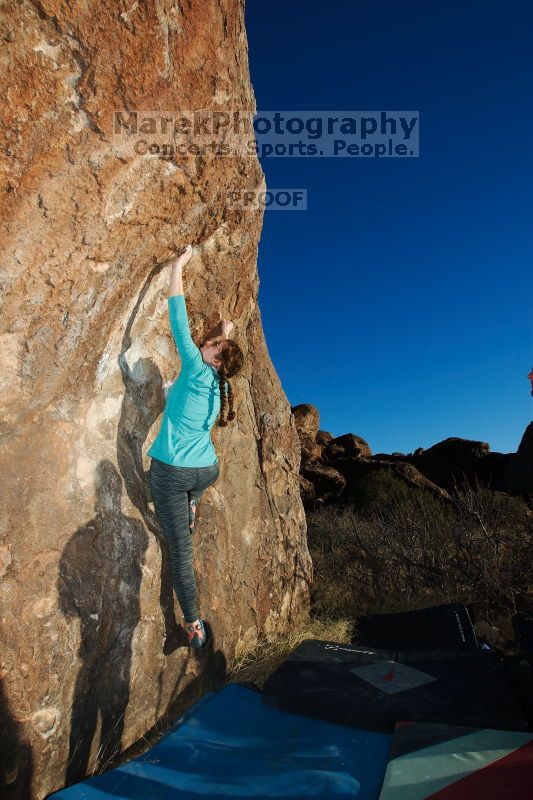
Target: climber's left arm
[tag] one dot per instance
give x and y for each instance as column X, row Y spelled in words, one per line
column 190, row 355
column 176, row 281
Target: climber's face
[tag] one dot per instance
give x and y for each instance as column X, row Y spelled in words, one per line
column 211, row 352
column 530, row 376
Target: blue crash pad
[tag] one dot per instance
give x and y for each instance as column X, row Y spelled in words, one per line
column 231, row 744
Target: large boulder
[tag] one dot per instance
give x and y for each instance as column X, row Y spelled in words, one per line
column 459, row 461
column 328, row 482
column 306, row 419
column 85, row 588
column 324, row 438
column 307, row 490
column 347, row 445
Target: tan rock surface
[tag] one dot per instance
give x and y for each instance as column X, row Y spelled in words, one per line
column 85, row 344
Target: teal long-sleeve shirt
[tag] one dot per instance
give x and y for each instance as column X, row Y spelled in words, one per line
column 193, row 401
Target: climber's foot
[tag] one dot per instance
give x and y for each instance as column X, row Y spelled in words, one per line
column 197, row 633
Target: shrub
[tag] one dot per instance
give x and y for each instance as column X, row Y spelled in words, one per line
column 413, row 549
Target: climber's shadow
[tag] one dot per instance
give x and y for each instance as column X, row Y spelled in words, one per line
column 16, row 756
column 99, row 581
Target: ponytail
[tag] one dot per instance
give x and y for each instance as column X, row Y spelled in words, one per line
column 232, row 359
column 222, row 379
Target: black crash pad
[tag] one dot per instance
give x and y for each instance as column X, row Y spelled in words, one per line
column 375, row 688
column 444, row 627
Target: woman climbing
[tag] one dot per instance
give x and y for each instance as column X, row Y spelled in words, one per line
column 184, row 462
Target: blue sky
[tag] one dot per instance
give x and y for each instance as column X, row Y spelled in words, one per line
column 400, row 302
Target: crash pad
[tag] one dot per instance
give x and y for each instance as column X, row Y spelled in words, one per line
column 230, row 744
column 443, row 627
column 445, row 762
column 375, row 688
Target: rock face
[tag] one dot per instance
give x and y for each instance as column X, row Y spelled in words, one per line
column 85, row 588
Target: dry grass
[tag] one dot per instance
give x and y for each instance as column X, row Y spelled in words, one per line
column 256, row 665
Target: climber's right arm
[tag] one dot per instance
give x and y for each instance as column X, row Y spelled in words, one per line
column 221, row 331
column 214, row 334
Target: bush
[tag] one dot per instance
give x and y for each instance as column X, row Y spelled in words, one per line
column 374, row 489
column 413, row 549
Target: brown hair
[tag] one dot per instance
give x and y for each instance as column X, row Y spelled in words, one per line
column 232, row 360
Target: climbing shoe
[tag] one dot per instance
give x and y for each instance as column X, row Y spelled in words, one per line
column 197, row 633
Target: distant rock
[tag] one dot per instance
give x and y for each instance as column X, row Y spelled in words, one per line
column 328, row 482
column 324, row 437
column 307, row 490
column 347, row 445
column 354, row 469
column 518, row 476
column 390, row 457
column 333, row 465
column 306, row 419
column 456, row 460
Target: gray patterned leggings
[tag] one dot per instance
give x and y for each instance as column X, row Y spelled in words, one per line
column 175, row 493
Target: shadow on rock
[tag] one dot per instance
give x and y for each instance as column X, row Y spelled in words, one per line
column 16, row 758
column 99, row 582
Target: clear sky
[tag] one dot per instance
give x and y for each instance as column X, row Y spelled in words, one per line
column 400, row 303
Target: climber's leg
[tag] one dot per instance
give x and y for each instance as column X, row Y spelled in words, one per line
column 169, row 486
column 206, row 477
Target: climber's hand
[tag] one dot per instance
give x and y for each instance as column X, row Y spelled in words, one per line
column 180, row 261
column 226, row 326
